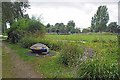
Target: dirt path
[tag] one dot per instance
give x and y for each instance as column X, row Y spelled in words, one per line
column 20, row 68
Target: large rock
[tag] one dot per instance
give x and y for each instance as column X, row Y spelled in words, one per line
column 40, row 48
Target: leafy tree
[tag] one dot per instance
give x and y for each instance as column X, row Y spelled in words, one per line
column 12, row 11
column 93, row 23
column 100, row 19
column 70, row 26
column 86, row 30
column 113, row 27
column 77, row 30
column 48, row 25
column 60, row 27
column 35, row 26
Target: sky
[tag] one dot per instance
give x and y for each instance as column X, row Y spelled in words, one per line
column 80, row 12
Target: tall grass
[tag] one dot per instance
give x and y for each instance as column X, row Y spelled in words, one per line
column 26, row 42
column 70, row 54
column 86, row 37
column 103, row 65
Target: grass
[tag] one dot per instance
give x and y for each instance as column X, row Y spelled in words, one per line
column 104, row 46
column 48, row 65
column 78, row 37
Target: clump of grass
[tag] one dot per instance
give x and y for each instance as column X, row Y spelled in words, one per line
column 103, row 65
column 26, row 42
column 98, row 69
column 70, row 54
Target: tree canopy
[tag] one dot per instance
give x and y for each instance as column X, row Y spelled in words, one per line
column 12, row 11
column 100, row 19
column 113, row 27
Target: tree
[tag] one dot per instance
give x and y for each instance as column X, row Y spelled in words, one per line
column 100, row 19
column 77, row 30
column 48, row 25
column 86, row 30
column 60, row 27
column 12, row 11
column 70, row 26
column 93, row 23
column 113, row 27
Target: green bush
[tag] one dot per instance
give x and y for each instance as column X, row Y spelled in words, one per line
column 14, row 36
column 24, row 27
column 35, row 26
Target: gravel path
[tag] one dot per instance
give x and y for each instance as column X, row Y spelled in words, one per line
column 20, row 68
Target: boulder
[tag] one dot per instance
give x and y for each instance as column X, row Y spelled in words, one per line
column 39, row 48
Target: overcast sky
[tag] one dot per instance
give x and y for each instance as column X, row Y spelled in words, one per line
column 62, row 11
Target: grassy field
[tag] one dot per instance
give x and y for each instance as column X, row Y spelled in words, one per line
column 86, row 37
column 104, row 62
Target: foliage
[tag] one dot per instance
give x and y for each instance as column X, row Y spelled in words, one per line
column 14, row 36
column 12, row 11
column 85, row 30
column 70, row 26
column 100, row 19
column 25, row 27
column 61, row 28
column 113, row 27
column 35, row 26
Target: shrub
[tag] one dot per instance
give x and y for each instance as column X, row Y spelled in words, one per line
column 23, row 27
column 14, row 36
column 35, row 26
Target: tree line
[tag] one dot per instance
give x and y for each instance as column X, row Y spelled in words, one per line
column 14, row 11
column 61, row 28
